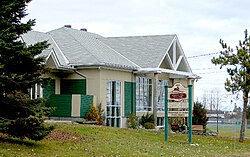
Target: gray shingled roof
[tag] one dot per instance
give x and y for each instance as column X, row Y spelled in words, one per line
column 73, row 48
column 145, row 51
column 85, row 48
column 82, row 48
column 33, row 37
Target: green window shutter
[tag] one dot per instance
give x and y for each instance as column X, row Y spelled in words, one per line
column 76, row 86
column 129, row 98
column 62, row 105
column 49, row 88
column 86, row 101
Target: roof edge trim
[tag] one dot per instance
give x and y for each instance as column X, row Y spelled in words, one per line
column 168, row 71
column 64, row 57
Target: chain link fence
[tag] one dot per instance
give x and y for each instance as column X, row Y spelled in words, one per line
column 229, row 127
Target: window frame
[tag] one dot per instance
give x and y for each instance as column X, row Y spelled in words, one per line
column 161, row 94
column 144, row 94
column 113, row 103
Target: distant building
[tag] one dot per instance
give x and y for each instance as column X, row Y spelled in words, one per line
column 213, row 115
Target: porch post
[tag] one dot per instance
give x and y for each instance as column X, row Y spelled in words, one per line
column 155, row 101
column 41, row 91
column 31, row 90
column 166, row 114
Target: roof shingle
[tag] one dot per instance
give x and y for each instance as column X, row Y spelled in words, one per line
column 145, row 51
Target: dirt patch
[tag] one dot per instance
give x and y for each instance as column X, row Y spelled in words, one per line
column 67, row 136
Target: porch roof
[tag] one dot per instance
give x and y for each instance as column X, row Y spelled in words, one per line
column 173, row 73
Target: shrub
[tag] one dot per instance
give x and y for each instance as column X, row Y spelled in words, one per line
column 132, row 121
column 149, row 125
column 92, row 114
column 147, row 118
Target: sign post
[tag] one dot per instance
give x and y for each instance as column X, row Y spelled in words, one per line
column 190, row 106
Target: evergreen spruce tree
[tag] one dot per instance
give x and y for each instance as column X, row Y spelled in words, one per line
column 20, row 68
column 199, row 115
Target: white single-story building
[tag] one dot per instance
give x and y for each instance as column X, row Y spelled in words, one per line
column 124, row 74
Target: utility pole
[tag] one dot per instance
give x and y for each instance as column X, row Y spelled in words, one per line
column 217, row 113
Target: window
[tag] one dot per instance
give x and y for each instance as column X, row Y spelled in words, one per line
column 161, row 94
column 143, row 94
column 36, row 91
column 113, row 99
column 160, row 121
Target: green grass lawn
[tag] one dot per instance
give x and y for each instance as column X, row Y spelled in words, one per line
column 86, row 140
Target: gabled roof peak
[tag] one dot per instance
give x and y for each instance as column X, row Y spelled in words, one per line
column 144, row 36
column 78, row 31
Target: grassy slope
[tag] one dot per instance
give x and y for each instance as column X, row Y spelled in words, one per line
column 81, row 140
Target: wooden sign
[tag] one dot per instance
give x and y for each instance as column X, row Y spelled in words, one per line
column 178, row 101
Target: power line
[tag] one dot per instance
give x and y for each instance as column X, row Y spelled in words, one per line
column 209, row 54
column 205, row 68
column 211, row 72
column 203, row 55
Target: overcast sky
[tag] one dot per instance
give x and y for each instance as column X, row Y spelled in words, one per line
column 199, row 24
